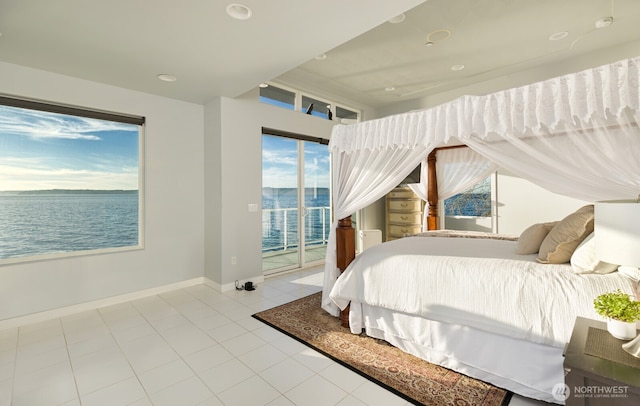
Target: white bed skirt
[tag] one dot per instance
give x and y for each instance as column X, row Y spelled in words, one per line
column 526, row 368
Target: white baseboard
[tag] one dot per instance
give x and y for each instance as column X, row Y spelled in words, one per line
column 94, row 304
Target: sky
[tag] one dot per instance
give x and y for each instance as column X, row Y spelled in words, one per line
column 41, row 151
column 280, row 163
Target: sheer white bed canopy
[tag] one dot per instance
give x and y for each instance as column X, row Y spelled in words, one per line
column 575, row 135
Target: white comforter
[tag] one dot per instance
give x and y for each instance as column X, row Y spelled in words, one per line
column 481, row 283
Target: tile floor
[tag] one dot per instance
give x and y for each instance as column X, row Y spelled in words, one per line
column 192, row 346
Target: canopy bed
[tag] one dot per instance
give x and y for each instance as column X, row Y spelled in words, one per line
column 488, row 307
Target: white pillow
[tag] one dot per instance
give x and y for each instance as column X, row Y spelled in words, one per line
column 558, row 246
column 531, row 238
column 584, row 259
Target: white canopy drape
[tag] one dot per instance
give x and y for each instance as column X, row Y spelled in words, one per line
column 576, row 135
column 457, row 169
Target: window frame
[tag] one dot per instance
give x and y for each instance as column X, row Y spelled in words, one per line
column 65, row 109
column 299, row 108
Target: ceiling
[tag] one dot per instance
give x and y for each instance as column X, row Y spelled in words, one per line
column 491, row 38
column 128, row 43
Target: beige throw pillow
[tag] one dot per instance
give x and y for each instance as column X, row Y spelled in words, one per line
column 558, row 246
column 530, row 240
column 584, row 259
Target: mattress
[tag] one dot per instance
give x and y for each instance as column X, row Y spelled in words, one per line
column 480, row 283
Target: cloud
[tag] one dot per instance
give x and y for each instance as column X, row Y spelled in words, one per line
column 33, row 174
column 43, row 125
column 279, row 157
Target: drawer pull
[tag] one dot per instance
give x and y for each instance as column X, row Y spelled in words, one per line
column 404, row 204
column 404, row 217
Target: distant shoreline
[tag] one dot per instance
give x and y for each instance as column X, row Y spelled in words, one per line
column 69, row 191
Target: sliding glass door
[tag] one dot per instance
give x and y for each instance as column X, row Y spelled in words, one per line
column 295, row 203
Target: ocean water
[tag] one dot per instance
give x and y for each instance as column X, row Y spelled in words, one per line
column 38, row 223
column 280, row 217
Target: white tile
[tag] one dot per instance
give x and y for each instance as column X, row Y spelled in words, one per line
column 130, row 334
column 166, row 375
column 43, row 344
column 86, row 333
column 224, row 376
column 154, row 308
column 125, row 321
column 208, row 358
column 317, row 391
column 142, row 402
column 8, row 339
column 121, row 393
column 370, row 392
column 28, row 361
column 85, row 347
column 263, row 357
column 250, row 323
column 288, row 345
column 5, row 392
column 91, row 376
column 213, row 401
column 243, row 343
column 187, row 339
column 7, row 371
column 281, row 401
column 196, row 310
column 213, row 321
column 226, row 332
column 188, row 392
column 313, row 359
column 342, row 377
column 286, row 374
column 51, row 385
column 148, row 352
column 74, row 402
column 351, row 401
column 253, row 391
column 171, row 321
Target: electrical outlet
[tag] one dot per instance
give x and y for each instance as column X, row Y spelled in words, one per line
column 234, row 260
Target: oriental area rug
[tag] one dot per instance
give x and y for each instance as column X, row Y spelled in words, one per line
column 409, row 377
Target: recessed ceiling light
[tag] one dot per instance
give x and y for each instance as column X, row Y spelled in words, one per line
column 167, row 78
column 604, row 22
column 263, row 85
column 438, row 35
column 397, row 19
column 321, row 57
column 428, row 44
column 457, row 67
column 389, row 89
column 558, row 36
column 239, row 11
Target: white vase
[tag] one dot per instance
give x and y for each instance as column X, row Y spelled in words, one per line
column 621, row 329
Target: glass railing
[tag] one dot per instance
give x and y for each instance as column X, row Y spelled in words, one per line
column 280, row 228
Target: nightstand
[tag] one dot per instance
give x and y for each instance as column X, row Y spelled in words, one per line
column 598, row 379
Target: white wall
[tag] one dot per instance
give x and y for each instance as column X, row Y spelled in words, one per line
column 521, row 203
column 236, row 146
column 174, row 201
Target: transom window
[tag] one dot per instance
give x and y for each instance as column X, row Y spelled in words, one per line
column 304, row 103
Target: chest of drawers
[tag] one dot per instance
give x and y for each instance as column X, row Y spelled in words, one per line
column 403, row 213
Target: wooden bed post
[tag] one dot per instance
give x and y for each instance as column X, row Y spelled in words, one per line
column 345, row 252
column 433, row 220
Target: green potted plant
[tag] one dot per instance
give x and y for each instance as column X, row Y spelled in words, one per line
column 621, row 312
